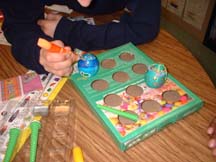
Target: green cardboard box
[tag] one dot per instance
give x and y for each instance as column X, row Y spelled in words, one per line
column 127, row 135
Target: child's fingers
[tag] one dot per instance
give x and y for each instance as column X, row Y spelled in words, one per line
column 212, row 127
column 52, row 16
column 212, row 143
column 60, row 65
column 214, row 152
column 60, row 72
column 56, row 57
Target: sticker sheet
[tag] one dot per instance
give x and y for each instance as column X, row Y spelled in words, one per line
column 19, row 86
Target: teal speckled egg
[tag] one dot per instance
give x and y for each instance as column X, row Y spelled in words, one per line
column 156, row 75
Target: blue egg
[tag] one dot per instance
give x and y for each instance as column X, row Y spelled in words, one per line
column 88, row 65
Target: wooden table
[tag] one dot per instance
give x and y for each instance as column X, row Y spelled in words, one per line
column 184, row 141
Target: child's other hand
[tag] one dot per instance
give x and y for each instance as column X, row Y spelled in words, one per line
column 57, row 63
column 48, row 25
column 212, row 132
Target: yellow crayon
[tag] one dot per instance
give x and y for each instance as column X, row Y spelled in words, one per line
column 77, row 154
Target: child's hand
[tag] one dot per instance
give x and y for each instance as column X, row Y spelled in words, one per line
column 57, row 63
column 48, row 25
column 212, row 132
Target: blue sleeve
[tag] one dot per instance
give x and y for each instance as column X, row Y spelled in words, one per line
column 140, row 26
column 21, row 30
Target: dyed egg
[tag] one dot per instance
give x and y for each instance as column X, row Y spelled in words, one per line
column 88, row 65
column 156, row 75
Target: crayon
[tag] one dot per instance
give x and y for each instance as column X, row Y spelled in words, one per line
column 13, row 137
column 35, row 126
column 77, row 154
column 130, row 116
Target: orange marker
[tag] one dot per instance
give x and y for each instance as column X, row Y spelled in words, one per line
column 43, row 43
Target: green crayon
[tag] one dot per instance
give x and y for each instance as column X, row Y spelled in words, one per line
column 35, row 126
column 13, row 136
column 128, row 115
